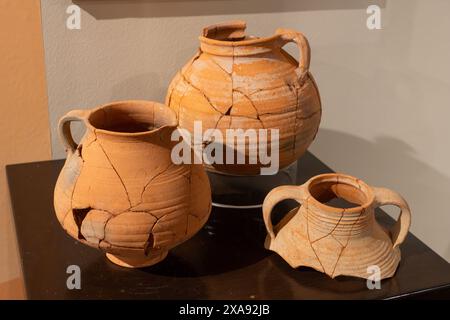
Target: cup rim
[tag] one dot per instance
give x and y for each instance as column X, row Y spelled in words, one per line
column 340, row 178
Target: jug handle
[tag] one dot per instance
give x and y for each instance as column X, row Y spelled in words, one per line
column 64, row 131
column 276, row 195
column 400, row 230
column 289, row 35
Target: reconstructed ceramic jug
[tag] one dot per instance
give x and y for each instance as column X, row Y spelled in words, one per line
column 241, row 82
column 119, row 190
column 337, row 241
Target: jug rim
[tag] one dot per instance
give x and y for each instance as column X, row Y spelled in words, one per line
column 231, row 34
column 133, row 105
column 340, row 178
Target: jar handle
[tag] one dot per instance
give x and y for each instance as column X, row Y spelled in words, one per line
column 64, row 131
column 276, row 195
column 289, row 35
column 400, row 230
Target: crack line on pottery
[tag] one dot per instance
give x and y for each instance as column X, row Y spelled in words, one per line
column 109, row 212
column 251, row 103
column 307, row 232
column 150, row 181
column 218, row 120
column 232, row 81
column 148, row 246
column 173, row 88
column 150, row 213
column 65, row 217
column 111, row 215
column 190, row 196
column 337, row 240
column 281, row 112
column 79, row 150
column 117, row 173
column 91, row 142
column 115, row 246
column 104, row 229
column 295, row 121
column 150, row 233
column 337, row 261
column 201, row 92
column 182, row 77
column 221, row 68
column 75, row 185
column 348, row 241
column 334, row 228
column 308, row 116
column 358, row 183
column 265, row 89
column 180, row 105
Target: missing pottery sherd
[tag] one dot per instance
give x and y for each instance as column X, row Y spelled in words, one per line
column 79, row 215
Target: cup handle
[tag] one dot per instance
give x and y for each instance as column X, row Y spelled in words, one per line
column 64, row 131
column 400, row 230
column 276, row 195
column 289, row 35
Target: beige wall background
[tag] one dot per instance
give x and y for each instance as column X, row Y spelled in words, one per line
column 24, row 130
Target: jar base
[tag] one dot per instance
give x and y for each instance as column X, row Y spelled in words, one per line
column 137, row 262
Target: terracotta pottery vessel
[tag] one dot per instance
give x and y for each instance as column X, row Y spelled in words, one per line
column 119, row 190
column 243, row 82
column 337, row 241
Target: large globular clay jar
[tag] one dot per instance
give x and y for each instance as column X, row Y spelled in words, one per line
column 119, row 190
column 237, row 81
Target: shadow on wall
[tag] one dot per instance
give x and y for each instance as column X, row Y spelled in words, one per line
column 114, row 9
column 389, row 162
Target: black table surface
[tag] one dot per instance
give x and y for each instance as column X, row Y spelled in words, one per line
column 225, row 260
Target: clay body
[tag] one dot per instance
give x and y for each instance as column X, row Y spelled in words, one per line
column 241, row 82
column 337, row 241
column 119, row 190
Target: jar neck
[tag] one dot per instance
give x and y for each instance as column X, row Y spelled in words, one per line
column 325, row 218
column 237, row 48
column 341, row 222
column 229, row 39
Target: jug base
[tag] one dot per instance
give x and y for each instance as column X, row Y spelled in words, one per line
column 137, row 262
